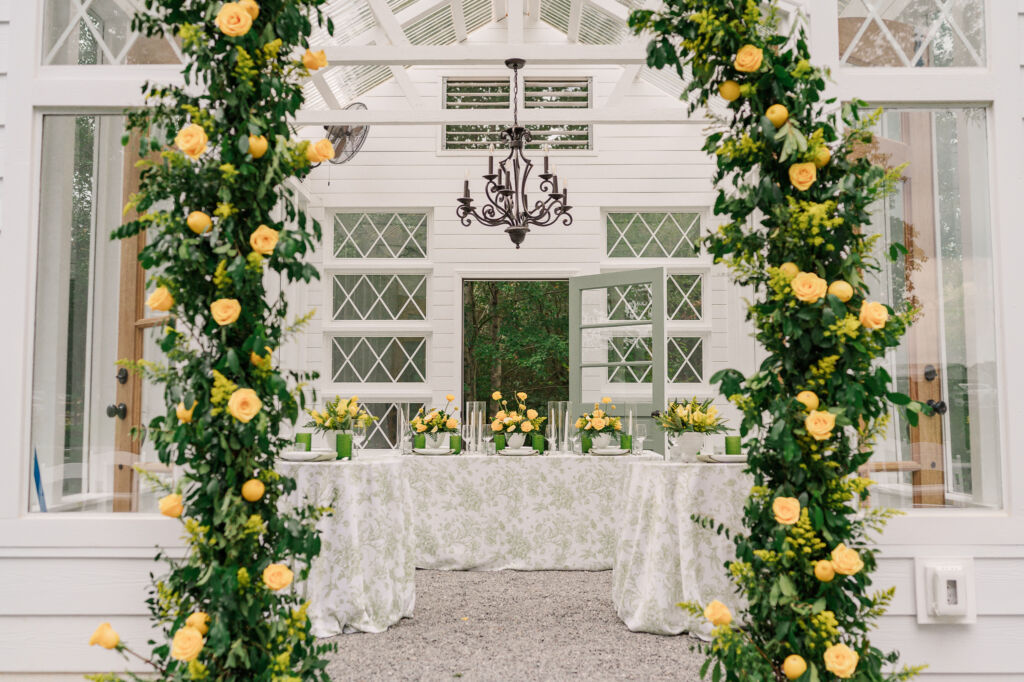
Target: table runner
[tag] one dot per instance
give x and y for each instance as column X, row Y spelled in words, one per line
column 663, row 557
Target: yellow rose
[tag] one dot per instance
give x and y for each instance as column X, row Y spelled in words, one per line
column 729, row 90
column 501, row 415
column 225, row 310
column 452, row 423
column 263, row 240
column 252, row 8
column 233, row 19
column 185, row 416
column 777, row 114
column 803, row 175
column 521, row 395
column 496, row 425
column 822, row 156
column 794, row 666
column 257, row 146
column 606, row 400
column 526, row 427
column 873, row 315
column 580, row 423
column 718, row 613
column 200, row 621
column 617, row 425
column 809, row 399
column 786, row 510
column 260, row 359
column 170, row 505
column 253, row 490
column 450, row 397
column 320, row 151
column 597, row 413
column 846, row 561
column 198, row 222
column 191, row 140
column 598, row 423
column 789, row 270
column 277, row 576
column 314, row 60
column 496, row 396
column 105, row 636
column 819, row 424
column 244, row 404
column 187, row 642
column 531, row 414
column 808, row 287
column 824, row 571
column 160, row 299
column 841, row 661
column 748, row 59
column 420, row 428
column 841, row 289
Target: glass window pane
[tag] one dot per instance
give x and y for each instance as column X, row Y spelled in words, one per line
column 912, row 33
column 378, row 359
column 653, row 235
column 99, row 32
column 380, row 235
column 380, row 297
column 684, row 297
column 685, row 359
column 941, row 213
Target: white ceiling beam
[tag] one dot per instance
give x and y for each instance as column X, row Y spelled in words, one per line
column 533, row 11
column 613, row 116
column 388, row 22
column 459, row 20
column 499, row 9
column 623, row 85
column 408, row 88
column 515, row 21
column 320, row 83
column 575, row 15
column 486, row 55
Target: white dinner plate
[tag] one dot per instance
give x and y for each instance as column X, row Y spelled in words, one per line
column 308, row 456
column 608, row 451
column 722, row 459
column 518, row 452
column 433, row 451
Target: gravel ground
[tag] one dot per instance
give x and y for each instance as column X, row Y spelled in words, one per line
column 508, row 625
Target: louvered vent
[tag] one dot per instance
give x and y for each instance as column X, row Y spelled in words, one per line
column 538, row 93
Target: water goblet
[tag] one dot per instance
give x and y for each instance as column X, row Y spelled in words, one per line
column 639, row 436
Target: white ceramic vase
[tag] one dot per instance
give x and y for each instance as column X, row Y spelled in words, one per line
column 685, row 447
column 435, row 441
column 602, row 441
column 515, row 440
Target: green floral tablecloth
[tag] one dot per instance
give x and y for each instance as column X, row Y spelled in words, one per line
column 364, row 578
column 525, row 513
column 663, row 557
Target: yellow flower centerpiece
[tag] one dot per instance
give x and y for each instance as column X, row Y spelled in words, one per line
column 599, row 427
column 436, row 424
column 688, row 423
column 343, row 416
column 515, row 423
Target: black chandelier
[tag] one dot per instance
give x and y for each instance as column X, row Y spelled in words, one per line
column 507, row 202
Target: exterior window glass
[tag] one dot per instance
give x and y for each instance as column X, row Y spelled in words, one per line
column 90, row 32
column 684, row 297
column 941, row 213
column 653, row 235
column 685, row 359
column 378, row 359
column 380, row 235
column 912, row 33
column 380, row 297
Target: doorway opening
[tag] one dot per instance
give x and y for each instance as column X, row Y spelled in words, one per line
column 515, row 338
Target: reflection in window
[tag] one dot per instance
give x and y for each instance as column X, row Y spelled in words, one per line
column 90, row 32
column 912, row 33
column 941, row 213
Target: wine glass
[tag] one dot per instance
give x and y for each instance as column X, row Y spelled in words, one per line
column 359, row 434
column 575, row 439
column 639, row 436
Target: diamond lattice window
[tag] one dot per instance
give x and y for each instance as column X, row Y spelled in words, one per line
column 630, row 302
column 380, row 235
column 380, row 297
column 684, row 297
column 90, row 32
column 912, row 33
column 630, row 349
column 685, row 359
column 653, row 235
column 378, row 359
column 392, row 422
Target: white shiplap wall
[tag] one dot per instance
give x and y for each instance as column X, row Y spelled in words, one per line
column 5, row 48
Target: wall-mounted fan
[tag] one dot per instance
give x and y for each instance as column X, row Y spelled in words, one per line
column 347, row 140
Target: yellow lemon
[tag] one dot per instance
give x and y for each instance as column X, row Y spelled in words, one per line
column 199, row 222
column 777, row 114
column 789, row 270
column 257, row 146
column 824, row 571
column 841, row 290
column 253, row 490
column 729, row 90
column 822, row 157
column 794, row 666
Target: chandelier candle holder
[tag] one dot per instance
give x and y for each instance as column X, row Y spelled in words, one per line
column 505, row 190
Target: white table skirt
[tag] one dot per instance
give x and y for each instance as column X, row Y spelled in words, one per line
column 553, row 512
column 663, row 557
column 364, row 578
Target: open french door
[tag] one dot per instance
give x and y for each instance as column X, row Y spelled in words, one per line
column 617, row 345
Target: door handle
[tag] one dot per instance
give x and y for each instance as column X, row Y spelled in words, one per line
column 120, row 411
column 938, row 406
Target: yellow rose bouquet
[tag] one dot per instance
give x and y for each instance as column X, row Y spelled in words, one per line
column 519, row 418
column 437, row 420
column 599, row 420
column 340, row 415
column 694, row 416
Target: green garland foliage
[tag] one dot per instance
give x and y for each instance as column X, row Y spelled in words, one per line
column 796, row 186
column 215, row 156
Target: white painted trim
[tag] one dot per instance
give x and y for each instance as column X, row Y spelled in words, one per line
column 484, row 54
column 608, row 116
